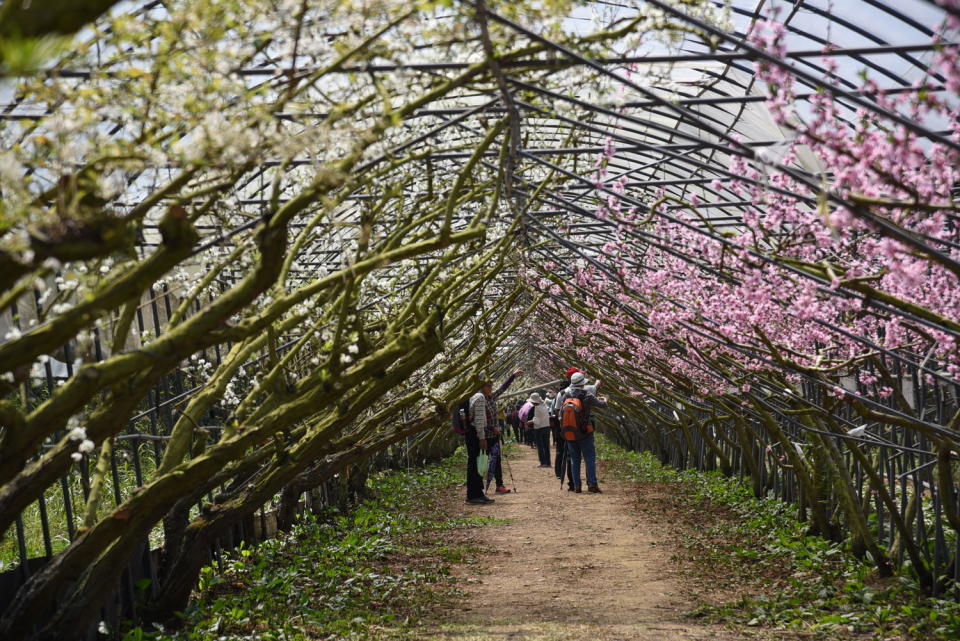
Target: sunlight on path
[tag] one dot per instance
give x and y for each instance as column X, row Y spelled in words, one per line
column 568, row 566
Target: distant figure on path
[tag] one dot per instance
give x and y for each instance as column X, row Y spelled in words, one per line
column 524, row 414
column 541, row 429
column 585, row 447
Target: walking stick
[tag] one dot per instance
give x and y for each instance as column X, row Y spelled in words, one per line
column 495, row 454
column 503, row 457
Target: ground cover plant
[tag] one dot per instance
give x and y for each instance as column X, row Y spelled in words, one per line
column 785, row 577
column 370, row 573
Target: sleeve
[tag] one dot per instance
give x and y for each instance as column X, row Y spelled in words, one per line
column 596, row 402
column 478, row 414
column 503, row 388
column 557, row 402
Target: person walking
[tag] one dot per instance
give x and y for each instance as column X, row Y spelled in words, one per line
column 540, row 417
column 524, row 416
column 514, row 421
column 483, row 434
column 585, row 448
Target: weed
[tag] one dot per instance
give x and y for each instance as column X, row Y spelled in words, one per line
column 372, row 573
column 800, row 582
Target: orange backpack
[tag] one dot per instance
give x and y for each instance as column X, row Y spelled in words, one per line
column 573, row 420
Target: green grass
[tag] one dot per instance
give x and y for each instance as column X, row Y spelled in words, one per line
column 370, row 574
column 799, row 582
column 55, row 507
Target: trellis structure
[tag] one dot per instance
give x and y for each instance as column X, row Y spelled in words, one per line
column 248, row 248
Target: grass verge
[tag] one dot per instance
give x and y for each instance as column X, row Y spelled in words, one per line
column 370, row 574
column 740, row 545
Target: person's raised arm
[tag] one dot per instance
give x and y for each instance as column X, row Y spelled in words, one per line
column 503, row 388
column 597, row 401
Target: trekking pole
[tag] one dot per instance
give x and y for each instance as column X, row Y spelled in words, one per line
column 503, row 457
column 496, row 454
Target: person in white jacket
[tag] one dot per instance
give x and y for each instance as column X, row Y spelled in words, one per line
column 540, row 417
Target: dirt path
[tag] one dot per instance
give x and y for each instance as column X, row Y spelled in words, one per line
column 568, row 566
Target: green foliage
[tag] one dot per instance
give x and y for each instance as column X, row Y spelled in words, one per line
column 370, row 573
column 804, row 582
column 56, row 511
column 30, row 55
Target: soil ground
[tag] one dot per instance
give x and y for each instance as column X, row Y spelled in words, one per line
column 570, row 566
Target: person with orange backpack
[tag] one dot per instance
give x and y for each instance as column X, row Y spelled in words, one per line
column 576, row 428
column 562, row 464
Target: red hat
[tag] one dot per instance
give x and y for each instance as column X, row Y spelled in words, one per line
column 571, row 371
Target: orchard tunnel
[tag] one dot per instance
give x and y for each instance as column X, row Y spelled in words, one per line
column 252, row 252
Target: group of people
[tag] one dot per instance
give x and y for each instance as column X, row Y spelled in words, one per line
column 534, row 421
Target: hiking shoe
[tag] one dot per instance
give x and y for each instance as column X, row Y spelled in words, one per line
column 545, row 465
column 578, row 490
column 482, row 500
column 594, row 489
column 487, row 499
column 502, row 490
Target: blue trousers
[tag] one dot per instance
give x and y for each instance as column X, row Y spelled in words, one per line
column 587, row 450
